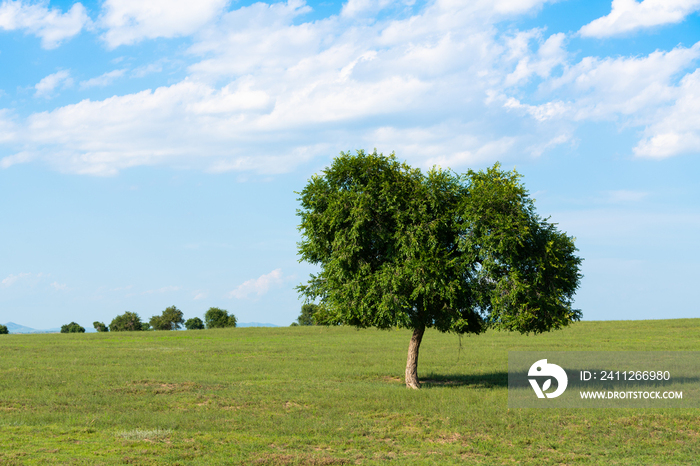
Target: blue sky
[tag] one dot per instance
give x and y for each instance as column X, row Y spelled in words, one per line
column 149, row 151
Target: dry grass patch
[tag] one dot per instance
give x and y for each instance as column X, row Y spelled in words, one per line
column 298, row 460
column 157, row 388
column 145, row 435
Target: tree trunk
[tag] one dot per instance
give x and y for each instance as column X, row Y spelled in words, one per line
column 412, row 361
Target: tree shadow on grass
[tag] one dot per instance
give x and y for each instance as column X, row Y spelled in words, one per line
column 487, row 380
column 519, row 379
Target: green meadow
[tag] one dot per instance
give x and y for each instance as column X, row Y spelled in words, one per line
column 319, row 396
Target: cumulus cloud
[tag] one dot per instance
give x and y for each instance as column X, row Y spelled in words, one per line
column 258, row 286
column 266, row 92
column 550, row 54
column 51, row 25
column 45, row 87
column 354, row 8
column 630, row 15
column 677, row 130
column 611, row 87
column 130, row 21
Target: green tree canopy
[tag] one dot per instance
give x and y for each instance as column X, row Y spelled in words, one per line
column 100, row 327
column 195, row 323
column 127, row 322
column 458, row 253
column 72, row 328
column 219, row 318
column 4, row 330
column 171, row 319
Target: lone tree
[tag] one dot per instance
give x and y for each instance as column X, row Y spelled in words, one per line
column 219, row 318
column 195, row 323
column 458, row 253
column 127, row 322
column 171, row 319
column 4, row 330
column 72, row 328
column 100, row 327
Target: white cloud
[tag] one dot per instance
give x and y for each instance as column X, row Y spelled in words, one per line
column 677, row 129
column 541, row 112
column 608, row 88
column 51, row 25
column 353, row 8
column 199, row 296
column 268, row 92
column 103, row 80
column 258, row 286
column 8, row 129
column 13, row 278
column 145, row 70
column 550, row 54
column 58, row 286
column 130, row 21
column 630, row 15
column 46, row 86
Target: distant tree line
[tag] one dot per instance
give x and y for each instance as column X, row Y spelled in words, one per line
column 313, row 314
column 171, row 318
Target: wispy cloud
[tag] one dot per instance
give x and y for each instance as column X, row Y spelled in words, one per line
column 45, row 87
column 145, row 70
column 13, row 278
column 622, row 195
column 103, row 80
column 258, row 286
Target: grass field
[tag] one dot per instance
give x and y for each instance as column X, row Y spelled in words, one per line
column 318, row 396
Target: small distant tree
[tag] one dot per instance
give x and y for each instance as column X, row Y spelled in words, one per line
column 307, row 314
column 72, row 328
column 219, row 318
column 127, row 322
column 171, row 319
column 100, row 327
column 314, row 314
column 145, row 326
column 294, row 324
column 4, row 330
column 195, row 323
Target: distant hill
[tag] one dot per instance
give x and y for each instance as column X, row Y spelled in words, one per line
column 17, row 328
column 254, row 324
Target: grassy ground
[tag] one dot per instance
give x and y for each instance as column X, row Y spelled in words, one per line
column 318, row 396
